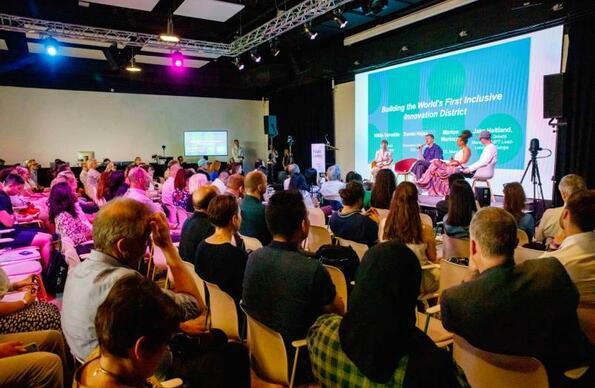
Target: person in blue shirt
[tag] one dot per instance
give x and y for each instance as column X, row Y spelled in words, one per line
column 431, row 152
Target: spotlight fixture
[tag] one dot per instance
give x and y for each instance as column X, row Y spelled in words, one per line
column 340, row 19
column 132, row 66
column 169, row 35
column 255, row 56
column 51, row 46
column 238, row 63
column 177, row 59
column 275, row 50
column 308, row 31
column 463, row 35
column 404, row 50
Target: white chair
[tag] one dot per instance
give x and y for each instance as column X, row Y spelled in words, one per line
column 200, row 284
column 338, row 279
column 484, row 174
column 268, row 354
column 251, row 244
column 485, row 369
column 359, row 248
column 522, row 236
column 317, row 237
column 224, row 315
column 522, row 254
column 433, row 329
column 316, row 216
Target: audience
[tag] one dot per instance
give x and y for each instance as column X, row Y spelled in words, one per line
column 117, row 185
column 284, row 289
column 577, row 251
column 461, row 207
column 197, row 227
column 221, row 182
column 549, row 226
column 330, row 189
column 404, row 225
column 167, row 191
column 514, row 203
column 354, row 176
column 527, row 310
column 384, row 187
column 102, row 188
column 63, row 213
column 121, row 233
column 181, row 197
column 442, row 205
column 216, row 259
column 196, row 181
column 298, row 182
column 253, row 218
column 349, row 223
column 292, row 169
column 377, row 343
column 235, row 186
column 139, row 183
column 133, row 327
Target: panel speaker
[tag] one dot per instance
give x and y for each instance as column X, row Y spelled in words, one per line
column 270, row 126
column 553, row 96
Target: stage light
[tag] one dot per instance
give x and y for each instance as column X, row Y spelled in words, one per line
column 255, row 56
column 404, row 50
column 177, row 59
column 373, row 6
column 51, row 46
column 238, row 63
column 275, row 50
column 132, row 67
column 308, row 31
column 169, row 35
column 340, row 19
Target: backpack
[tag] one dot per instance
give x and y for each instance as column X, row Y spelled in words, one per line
column 54, row 276
column 341, row 257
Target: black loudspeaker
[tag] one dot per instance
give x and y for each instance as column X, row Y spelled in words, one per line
column 553, row 96
column 483, row 196
column 270, row 126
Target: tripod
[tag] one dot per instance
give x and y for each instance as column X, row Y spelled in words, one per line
column 535, row 179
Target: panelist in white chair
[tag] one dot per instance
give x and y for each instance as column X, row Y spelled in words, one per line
column 489, row 155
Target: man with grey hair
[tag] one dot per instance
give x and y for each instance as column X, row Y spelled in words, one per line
column 549, row 226
column 139, row 181
column 526, row 310
column 121, row 233
column 330, row 189
column 489, row 154
column 292, row 169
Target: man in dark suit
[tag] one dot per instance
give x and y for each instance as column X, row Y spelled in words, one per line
column 527, row 310
column 253, row 219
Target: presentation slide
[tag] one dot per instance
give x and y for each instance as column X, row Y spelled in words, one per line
column 496, row 87
column 205, row 143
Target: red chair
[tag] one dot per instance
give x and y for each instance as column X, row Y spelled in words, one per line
column 403, row 167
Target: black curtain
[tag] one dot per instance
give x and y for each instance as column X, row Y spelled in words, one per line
column 576, row 141
column 304, row 112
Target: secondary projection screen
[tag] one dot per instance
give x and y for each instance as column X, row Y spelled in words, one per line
column 496, row 86
column 205, row 143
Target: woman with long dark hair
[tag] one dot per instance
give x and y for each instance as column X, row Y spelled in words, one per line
column 461, row 207
column 63, row 212
column 383, row 189
column 514, row 203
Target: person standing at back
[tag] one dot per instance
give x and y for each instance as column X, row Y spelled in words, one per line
column 253, row 218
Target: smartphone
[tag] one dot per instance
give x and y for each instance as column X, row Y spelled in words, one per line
column 31, row 347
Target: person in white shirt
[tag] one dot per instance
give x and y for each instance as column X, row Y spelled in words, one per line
column 237, row 152
column 488, row 155
column 221, row 182
column 167, row 191
column 330, row 189
column 292, row 170
column 549, row 226
column 139, row 183
column 577, row 251
column 383, row 158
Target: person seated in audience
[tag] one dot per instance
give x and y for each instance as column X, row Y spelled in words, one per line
column 33, row 167
column 235, row 186
column 349, row 223
column 132, row 342
column 383, row 189
column 549, row 225
column 461, row 207
column 45, row 367
column 330, row 189
column 216, row 259
column 102, row 188
column 138, row 161
column 203, row 168
column 377, row 343
column 21, row 236
column 253, row 218
column 214, row 170
column 442, row 205
column 292, row 169
column 181, row 195
column 121, row 234
column 26, row 314
column 236, row 168
column 284, row 289
column 514, row 203
column 63, row 213
column 196, row 181
column 526, row 310
column 197, row 227
column 117, row 185
column 354, row 176
column 577, row 251
column 298, row 182
column 404, row 225
column 31, row 188
column 139, row 183
column 221, row 182
column 169, row 187
column 91, row 179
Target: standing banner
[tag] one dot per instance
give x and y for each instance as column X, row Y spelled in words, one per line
column 319, row 157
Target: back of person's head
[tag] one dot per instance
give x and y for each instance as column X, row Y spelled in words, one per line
column 353, row 176
column 311, row 176
column 202, row 197
column 222, row 210
column 13, row 181
column 68, row 177
column 61, row 199
column 223, row 176
column 116, row 180
column 298, row 182
column 255, row 181
column 293, row 169
column 383, row 189
column 180, row 179
column 121, row 219
column 461, row 204
column 333, row 173
column 581, row 208
column 352, row 194
column 103, row 184
column 173, row 167
column 457, row 176
column 404, row 222
column 286, row 213
column 570, row 184
column 514, row 199
column 138, row 178
column 135, row 323
column 235, row 182
column 495, row 232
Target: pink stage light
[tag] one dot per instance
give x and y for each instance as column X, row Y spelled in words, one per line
column 177, row 59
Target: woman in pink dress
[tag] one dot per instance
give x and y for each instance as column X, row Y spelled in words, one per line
column 435, row 179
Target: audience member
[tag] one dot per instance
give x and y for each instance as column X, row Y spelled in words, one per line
column 514, row 203
column 181, row 196
column 461, row 207
column 349, row 223
column 92, row 177
column 138, row 161
column 577, row 251
column 63, row 213
column 133, row 327
column 442, row 205
column 404, row 225
column 216, row 259
column 117, row 185
column 121, row 233
column 196, row 181
column 139, row 183
column 197, row 227
column 377, row 343
column 527, row 309
column 102, row 188
column 383, row 189
column 235, row 186
column 221, row 182
column 33, row 167
column 549, row 226
column 167, row 191
column 292, row 169
column 284, row 289
column 330, row 189
column 354, row 176
column 298, row 182
column 214, row 170
column 253, row 218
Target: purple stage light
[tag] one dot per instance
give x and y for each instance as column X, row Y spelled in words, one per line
column 177, row 59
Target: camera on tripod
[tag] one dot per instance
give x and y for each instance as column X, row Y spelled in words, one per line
column 534, row 147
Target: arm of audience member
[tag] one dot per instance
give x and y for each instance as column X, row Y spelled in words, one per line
column 428, row 237
column 6, row 219
column 181, row 273
column 337, row 306
column 11, row 348
column 325, row 292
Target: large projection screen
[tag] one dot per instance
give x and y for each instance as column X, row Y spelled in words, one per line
column 205, row 143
